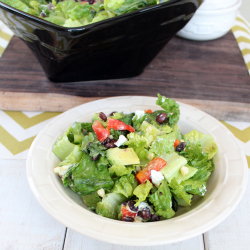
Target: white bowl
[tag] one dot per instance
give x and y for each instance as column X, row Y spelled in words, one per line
column 212, row 20
column 225, row 187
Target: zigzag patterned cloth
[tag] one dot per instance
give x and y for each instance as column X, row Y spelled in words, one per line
column 5, row 37
column 18, row 130
column 241, row 31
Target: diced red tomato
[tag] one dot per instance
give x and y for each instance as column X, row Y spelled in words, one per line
column 156, row 164
column 119, row 125
column 127, row 213
column 101, row 132
column 177, row 142
column 148, row 111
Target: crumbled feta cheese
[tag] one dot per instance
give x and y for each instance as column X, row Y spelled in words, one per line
column 139, row 114
column 142, row 205
column 156, row 177
column 61, row 170
column 184, row 170
column 101, row 192
column 121, row 140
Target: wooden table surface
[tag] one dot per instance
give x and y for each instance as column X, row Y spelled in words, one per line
column 210, row 75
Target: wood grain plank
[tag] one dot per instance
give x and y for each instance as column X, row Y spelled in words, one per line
column 77, row 241
column 229, row 111
column 212, row 70
column 24, row 224
column 233, row 233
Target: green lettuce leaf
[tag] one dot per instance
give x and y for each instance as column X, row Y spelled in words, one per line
column 96, row 148
column 74, row 157
column 113, row 4
column 163, row 144
column 87, row 139
column 207, row 142
column 142, row 191
column 108, row 207
column 117, row 133
column 87, row 126
column 125, row 185
column 91, row 200
column 120, row 170
column 76, row 135
column 162, row 201
column 195, row 187
column 132, row 5
column 63, row 147
column 198, row 159
column 127, row 118
column 172, row 108
column 86, row 178
column 172, row 168
column 179, row 191
column 139, row 144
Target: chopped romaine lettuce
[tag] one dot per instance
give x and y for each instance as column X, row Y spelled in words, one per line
column 85, row 178
column 162, row 201
column 142, row 191
column 108, row 207
column 207, row 142
column 120, row 170
column 125, row 185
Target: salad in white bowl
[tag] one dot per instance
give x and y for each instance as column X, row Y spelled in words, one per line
column 135, row 167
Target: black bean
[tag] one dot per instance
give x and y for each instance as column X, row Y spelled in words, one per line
column 108, row 140
column 145, row 213
column 155, row 217
column 42, row 14
column 128, row 219
column 104, row 142
column 180, row 147
column 110, row 145
column 95, row 158
column 103, row 116
column 161, row 117
column 91, row 1
column 125, row 203
column 132, row 207
column 111, row 114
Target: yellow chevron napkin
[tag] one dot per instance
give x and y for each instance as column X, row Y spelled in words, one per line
column 241, row 31
column 5, row 37
column 18, row 130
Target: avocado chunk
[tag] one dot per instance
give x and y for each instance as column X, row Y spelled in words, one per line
column 120, row 156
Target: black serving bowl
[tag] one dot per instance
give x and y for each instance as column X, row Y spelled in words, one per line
column 118, row 47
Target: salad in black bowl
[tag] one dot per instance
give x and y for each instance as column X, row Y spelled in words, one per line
column 78, row 42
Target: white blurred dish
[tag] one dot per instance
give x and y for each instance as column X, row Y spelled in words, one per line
column 225, row 187
column 212, row 20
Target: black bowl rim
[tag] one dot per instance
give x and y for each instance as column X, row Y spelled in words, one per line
column 61, row 28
